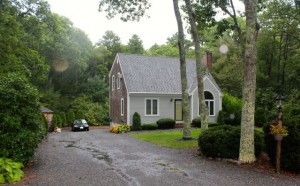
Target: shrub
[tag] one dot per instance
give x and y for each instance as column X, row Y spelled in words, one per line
column 22, row 124
column 119, row 128
column 224, row 142
column 136, row 122
column 232, row 105
column 63, row 118
column 114, row 129
column 150, row 126
column 166, row 123
column 124, row 128
column 56, row 121
column 213, row 124
column 290, row 147
column 10, row 171
column 71, row 117
column 196, row 122
column 220, row 119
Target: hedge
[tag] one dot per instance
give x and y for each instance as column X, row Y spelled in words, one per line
column 150, row 126
column 224, row 142
column 166, row 123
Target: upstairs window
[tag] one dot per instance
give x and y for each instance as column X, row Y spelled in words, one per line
column 151, row 107
column 210, row 103
column 122, row 106
column 119, row 81
column 113, row 82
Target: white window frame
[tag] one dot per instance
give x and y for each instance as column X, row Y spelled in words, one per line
column 113, row 82
column 208, row 106
column 152, row 107
column 118, row 81
column 122, row 106
column 207, row 102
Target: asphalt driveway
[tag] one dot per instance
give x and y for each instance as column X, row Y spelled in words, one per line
column 101, row 158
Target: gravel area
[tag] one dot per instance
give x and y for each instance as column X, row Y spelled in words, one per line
column 101, row 158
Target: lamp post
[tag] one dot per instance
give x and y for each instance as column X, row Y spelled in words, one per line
column 279, row 98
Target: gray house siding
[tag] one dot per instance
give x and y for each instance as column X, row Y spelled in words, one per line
column 155, row 77
column 165, row 106
column 208, row 86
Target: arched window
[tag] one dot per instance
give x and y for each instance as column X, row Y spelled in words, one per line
column 210, row 103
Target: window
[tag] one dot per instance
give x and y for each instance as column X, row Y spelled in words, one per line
column 118, row 81
column 122, row 106
column 151, row 107
column 113, row 83
column 210, row 103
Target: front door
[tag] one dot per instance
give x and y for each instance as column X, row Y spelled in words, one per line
column 178, row 110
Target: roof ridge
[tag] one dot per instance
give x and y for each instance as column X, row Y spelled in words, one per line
column 144, row 55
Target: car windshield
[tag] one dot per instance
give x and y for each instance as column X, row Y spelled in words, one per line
column 83, row 121
column 77, row 122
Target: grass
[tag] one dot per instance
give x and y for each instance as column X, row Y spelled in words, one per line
column 171, row 139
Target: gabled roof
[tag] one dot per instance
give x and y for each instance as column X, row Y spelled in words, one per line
column 157, row 74
column 45, row 110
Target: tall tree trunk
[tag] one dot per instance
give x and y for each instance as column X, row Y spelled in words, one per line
column 199, row 68
column 185, row 96
column 247, row 153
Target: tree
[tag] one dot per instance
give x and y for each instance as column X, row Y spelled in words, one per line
column 185, row 97
column 135, row 45
column 200, row 70
column 247, row 154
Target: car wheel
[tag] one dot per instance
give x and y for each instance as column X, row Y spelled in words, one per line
column 87, row 129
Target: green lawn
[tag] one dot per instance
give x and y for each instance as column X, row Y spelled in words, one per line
column 171, row 139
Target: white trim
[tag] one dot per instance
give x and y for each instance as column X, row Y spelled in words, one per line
column 118, row 81
column 220, row 93
column 113, row 79
column 122, row 106
column 151, row 106
column 214, row 101
column 155, row 93
column 192, row 106
column 128, row 110
column 116, row 59
column 206, row 78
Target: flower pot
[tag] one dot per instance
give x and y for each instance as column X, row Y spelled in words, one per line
column 278, row 137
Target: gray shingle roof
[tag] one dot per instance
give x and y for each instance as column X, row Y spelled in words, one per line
column 45, row 110
column 156, row 74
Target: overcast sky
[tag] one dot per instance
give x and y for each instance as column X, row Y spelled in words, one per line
column 84, row 14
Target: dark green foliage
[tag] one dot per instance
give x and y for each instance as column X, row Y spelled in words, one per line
column 80, row 114
column 290, row 155
column 63, row 118
column 213, row 124
column 220, row 119
column 166, row 123
column 150, row 126
column 21, row 123
column 136, row 122
column 290, row 146
column 265, row 105
column 224, row 142
column 71, row 117
column 231, row 106
column 196, row 122
column 56, row 121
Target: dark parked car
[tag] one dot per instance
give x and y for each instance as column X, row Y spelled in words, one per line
column 80, row 124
